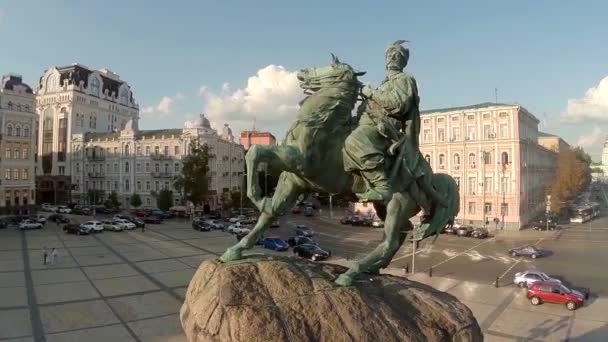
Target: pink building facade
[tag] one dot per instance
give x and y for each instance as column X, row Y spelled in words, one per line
column 249, row 138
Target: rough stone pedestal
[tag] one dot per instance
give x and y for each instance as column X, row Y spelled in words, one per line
column 289, row 299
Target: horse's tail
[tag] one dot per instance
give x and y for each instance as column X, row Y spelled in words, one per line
column 441, row 215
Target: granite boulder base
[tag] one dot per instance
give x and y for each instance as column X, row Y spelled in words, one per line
column 289, row 299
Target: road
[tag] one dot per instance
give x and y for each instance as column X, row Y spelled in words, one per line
column 576, row 253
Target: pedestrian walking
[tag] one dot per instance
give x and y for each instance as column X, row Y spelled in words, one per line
column 143, row 228
column 45, row 255
column 54, row 256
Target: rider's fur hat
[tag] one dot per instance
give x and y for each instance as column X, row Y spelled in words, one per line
column 403, row 51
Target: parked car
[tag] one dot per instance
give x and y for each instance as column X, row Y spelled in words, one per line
column 74, row 228
column 300, row 240
column 529, row 251
column 309, row 211
column 38, row 218
column 237, row 218
column 480, row 233
column 275, row 224
column 58, row 218
column 126, row 224
column 93, row 226
column 238, row 228
column 464, row 231
column 140, row 213
column 542, row 225
column 312, row 252
column 450, row 229
column 215, row 224
column 135, row 220
column 48, row 207
column 81, row 210
column 296, row 210
column 377, row 223
column 159, row 213
column 352, row 220
column 201, row 225
column 112, row 225
column 303, row 230
column 152, row 219
column 525, row 279
column 275, row 244
column 64, row 209
column 30, row 224
column 551, row 292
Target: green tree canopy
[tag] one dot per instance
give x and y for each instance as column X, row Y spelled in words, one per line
column 112, row 201
column 95, row 196
column 135, row 200
column 164, row 201
column 193, row 183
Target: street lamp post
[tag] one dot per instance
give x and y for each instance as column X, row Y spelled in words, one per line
column 331, row 208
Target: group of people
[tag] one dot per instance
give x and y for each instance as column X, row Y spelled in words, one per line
column 50, row 258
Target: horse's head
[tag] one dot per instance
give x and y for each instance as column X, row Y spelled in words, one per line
column 337, row 75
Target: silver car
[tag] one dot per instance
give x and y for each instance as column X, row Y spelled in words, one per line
column 527, row 278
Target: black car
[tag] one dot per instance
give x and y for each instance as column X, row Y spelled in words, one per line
column 81, row 211
column 302, row 230
column 201, row 225
column 300, row 240
column 352, row 220
column 479, row 233
column 529, row 251
column 73, row 228
column 152, row 219
column 312, row 252
column 58, row 218
column 464, row 230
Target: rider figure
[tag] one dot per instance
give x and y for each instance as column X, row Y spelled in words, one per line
column 387, row 111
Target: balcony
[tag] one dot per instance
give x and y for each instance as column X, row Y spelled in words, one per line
column 161, row 175
column 96, row 175
column 158, row 156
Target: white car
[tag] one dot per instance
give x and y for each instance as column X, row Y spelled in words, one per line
column 49, row 208
column 64, row 209
column 112, row 225
column 527, row 278
column 93, row 226
column 30, row 224
column 125, row 224
column 41, row 219
column 236, row 219
column 238, row 228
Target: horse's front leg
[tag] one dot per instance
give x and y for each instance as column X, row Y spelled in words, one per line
column 287, row 191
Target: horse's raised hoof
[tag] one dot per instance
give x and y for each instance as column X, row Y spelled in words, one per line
column 344, row 280
column 231, row 254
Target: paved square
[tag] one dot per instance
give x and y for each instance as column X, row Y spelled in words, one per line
column 124, row 285
column 148, row 305
column 110, row 271
column 63, row 292
column 56, row 318
column 15, row 323
column 113, row 333
column 12, row 297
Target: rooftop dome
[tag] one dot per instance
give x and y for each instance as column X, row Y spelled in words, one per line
column 201, row 122
column 9, row 82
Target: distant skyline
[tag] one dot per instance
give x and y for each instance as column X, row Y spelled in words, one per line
column 236, row 61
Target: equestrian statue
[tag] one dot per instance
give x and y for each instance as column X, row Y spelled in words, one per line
column 374, row 156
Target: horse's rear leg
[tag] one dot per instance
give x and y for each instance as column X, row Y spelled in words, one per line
column 396, row 224
column 288, row 189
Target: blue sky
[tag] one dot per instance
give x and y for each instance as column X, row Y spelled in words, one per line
column 537, row 53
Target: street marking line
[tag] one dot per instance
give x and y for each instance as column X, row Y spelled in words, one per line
column 517, row 262
column 463, row 252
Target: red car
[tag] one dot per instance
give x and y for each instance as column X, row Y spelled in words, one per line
column 553, row 292
column 140, row 213
column 296, row 210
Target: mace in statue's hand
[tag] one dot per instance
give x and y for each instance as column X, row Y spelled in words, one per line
column 367, row 92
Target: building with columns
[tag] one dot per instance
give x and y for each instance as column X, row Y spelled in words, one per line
column 18, row 128
column 146, row 161
column 72, row 100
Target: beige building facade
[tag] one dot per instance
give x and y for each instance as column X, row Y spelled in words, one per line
column 71, row 100
column 18, row 127
column 147, row 161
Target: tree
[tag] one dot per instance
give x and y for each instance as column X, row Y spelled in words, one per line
column 112, row 201
column 193, row 183
column 572, row 175
column 135, row 200
column 95, row 196
column 164, row 201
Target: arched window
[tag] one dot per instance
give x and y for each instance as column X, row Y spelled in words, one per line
column 127, row 185
column 472, row 159
column 126, row 166
column 18, row 130
column 51, row 83
column 427, row 158
column 10, row 105
column 126, row 149
column 456, row 159
column 442, row 159
column 26, row 131
column 94, row 86
column 504, row 158
column 9, row 130
column 124, row 96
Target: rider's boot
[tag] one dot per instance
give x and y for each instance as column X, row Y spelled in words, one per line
column 378, row 188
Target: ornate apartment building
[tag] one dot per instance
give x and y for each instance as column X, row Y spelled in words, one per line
column 18, row 128
column 494, row 153
column 73, row 100
column 146, row 161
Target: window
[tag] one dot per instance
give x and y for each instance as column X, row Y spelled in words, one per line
column 9, row 130
column 16, row 154
column 457, row 180
column 504, row 158
column 17, row 131
column 505, row 184
column 486, row 157
column 115, row 186
column 156, row 150
column 127, row 185
column 24, row 174
column 488, row 184
column 138, row 185
column 124, row 96
column 148, row 185
column 156, row 167
column 26, row 131
column 15, row 174
column 456, row 159
column 176, row 168
column 115, row 151
column 127, row 167
column 94, row 86
column 147, row 201
column 116, row 167
column 51, row 83
column 8, row 153
column 487, row 131
column 127, row 150
column 426, row 135
column 471, row 117
column 504, row 130
column 147, row 167
column 25, row 153
column 486, row 115
column 440, row 119
column 471, row 132
column 487, row 208
column 504, row 209
column 455, row 133
column 441, row 134
column 455, row 118
column 107, row 168
column 77, row 167
column 472, row 185
column 166, row 168
column 503, row 114
column 427, row 158
column 442, row 159
column 166, row 186
column 62, row 170
column 166, row 150
column 147, row 150
column 176, row 150
column 138, row 150
column 138, row 167
column 7, row 174
column 472, row 159
column 156, row 185
column 472, row 208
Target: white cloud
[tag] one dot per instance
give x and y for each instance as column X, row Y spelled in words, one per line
column 593, row 141
column 271, row 96
column 593, row 106
column 165, row 106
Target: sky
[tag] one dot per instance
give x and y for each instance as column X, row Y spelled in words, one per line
column 236, row 61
